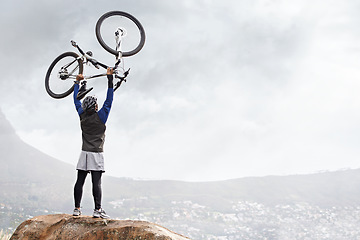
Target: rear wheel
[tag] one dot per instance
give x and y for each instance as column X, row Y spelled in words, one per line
column 110, row 22
column 59, row 80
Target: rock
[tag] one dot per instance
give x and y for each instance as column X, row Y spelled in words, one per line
column 65, row 226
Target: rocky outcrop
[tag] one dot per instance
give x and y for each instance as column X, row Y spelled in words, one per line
column 64, row 226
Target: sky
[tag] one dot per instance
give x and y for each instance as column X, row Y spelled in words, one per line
column 221, row 90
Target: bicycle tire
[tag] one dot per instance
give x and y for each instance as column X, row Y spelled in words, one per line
column 131, row 18
column 51, row 72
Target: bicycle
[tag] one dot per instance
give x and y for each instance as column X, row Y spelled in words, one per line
column 59, row 80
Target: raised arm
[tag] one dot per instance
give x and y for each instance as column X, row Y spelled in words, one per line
column 105, row 110
column 76, row 90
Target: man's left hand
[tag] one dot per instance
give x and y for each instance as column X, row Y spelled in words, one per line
column 110, row 71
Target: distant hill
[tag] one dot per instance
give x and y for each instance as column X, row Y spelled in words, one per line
column 31, row 179
column 341, row 188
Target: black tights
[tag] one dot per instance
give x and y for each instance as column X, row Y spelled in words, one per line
column 96, row 187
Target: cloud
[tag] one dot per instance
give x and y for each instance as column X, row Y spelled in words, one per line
column 220, row 90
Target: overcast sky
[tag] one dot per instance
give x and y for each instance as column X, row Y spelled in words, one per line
column 221, row 89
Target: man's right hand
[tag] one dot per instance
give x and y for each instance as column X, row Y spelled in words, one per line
column 79, row 77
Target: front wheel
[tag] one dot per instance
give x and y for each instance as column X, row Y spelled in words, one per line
column 107, row 29
column 59, row 80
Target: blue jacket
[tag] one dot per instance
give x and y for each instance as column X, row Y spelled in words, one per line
column 93, row 125
column 105, row 110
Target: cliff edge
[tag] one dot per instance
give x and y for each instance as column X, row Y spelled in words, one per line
column 65, row 226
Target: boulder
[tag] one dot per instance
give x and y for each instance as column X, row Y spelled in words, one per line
column 65, row 226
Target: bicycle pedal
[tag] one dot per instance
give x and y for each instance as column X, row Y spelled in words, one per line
column 82, row 94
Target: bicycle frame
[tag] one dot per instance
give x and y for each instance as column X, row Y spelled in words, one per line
column 87, row 57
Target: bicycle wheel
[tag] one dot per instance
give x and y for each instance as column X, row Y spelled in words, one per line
column 59, row 80
column 108, row 24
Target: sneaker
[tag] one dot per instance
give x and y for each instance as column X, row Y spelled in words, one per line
column 76, row 212
column 100, row 213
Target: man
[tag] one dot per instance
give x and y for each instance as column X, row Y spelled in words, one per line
column 91, row 159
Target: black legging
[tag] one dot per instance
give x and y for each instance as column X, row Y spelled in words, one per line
column 96, row 187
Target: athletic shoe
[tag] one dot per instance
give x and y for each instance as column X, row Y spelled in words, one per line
column 76, row 212
column 100, row 213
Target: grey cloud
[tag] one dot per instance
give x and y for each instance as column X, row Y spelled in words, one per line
column 215, row 82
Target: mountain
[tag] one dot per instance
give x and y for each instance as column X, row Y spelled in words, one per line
column 341, row 188
column 33, row 183
column 29, row 177
column 33, row 175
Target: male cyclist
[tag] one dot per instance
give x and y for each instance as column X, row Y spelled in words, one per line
column 91, row 159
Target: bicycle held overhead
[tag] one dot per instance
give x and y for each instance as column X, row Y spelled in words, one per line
column 111, row 30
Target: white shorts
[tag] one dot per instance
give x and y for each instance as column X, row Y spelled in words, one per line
column 91, row 161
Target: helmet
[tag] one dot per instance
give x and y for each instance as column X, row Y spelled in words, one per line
column 89, row 104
